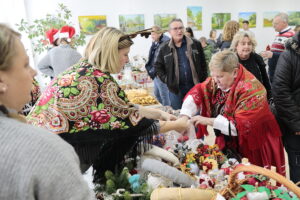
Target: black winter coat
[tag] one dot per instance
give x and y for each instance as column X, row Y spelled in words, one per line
column 165, row 64
column 286, row 87
column 256, row 65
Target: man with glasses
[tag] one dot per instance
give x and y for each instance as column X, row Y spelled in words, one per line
column 180, row 63
column 280, row 24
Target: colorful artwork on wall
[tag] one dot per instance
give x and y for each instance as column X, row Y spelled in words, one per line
column 91, row 24
column 131, row 23
column 163, row 20
column 249, row 16
column 194, row 17
column 294, row 18
column 218, row 20
column 268, row 18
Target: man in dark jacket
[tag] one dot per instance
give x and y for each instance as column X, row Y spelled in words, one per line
column 180, row 63
column 286, row 93
column 161, row 90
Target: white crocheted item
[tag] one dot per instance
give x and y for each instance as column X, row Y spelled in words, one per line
column 163, row 154
column 158, row 167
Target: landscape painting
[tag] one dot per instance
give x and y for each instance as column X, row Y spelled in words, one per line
column 163, row 20
column 249, row 16
column 194, row 17
column 218, row 20
column 131, row 23
column 268, row 18
column 294, row 18
column 91, row 24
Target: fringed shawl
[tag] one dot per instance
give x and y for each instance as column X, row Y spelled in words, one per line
column 246, row 106
column 88, row 109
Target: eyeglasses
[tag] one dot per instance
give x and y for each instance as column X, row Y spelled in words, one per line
column 177, row 28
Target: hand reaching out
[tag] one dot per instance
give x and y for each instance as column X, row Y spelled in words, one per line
column 182, row 124
column 167, row 116
column 152, row 113
column 200, row 120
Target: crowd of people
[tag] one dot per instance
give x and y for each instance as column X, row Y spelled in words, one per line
column 84, row 119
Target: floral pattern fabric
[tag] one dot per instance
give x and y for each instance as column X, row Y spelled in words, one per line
column 83, row 98
column 35, row 94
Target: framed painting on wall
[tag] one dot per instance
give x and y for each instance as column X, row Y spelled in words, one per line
column 218, row 20
column 268, row 18
column 91, row 24
column 194, row 17
column 294, row 18
column 163, row 20
column 249, row 16
column 131, row 23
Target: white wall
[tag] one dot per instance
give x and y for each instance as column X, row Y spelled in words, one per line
column 112, row 8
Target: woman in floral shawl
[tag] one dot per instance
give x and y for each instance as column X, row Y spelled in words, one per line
column 234, row 103
column 87, row 108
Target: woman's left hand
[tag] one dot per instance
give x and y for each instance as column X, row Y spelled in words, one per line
column 199, row 120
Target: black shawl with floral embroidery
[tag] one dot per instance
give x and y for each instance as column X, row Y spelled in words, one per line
column 88, row 109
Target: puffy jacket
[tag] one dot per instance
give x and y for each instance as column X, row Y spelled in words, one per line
column 286, row 87
column 166, row 64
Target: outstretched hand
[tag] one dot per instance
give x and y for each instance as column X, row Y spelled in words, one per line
column 200, row 120
column 182, row 124
column 167, row 116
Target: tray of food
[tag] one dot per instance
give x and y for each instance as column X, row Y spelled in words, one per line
column 141, row 97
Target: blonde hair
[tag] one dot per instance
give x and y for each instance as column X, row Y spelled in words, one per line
column 7, row 46
column 240, row 36
column 225, row 60
column 230, row 29
column 8, row 38
column 103, row 49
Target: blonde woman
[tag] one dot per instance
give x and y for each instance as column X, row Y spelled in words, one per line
column 86, row 107
column 230, row 29
column 244, row 45
column 34, row 163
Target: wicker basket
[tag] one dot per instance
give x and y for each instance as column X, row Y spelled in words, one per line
column 234, row 188
column 182, row 194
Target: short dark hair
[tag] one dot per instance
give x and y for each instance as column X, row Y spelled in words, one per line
column 245, row 22
column 189, row 30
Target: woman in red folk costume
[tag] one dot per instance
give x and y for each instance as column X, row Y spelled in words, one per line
column 234, row 103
